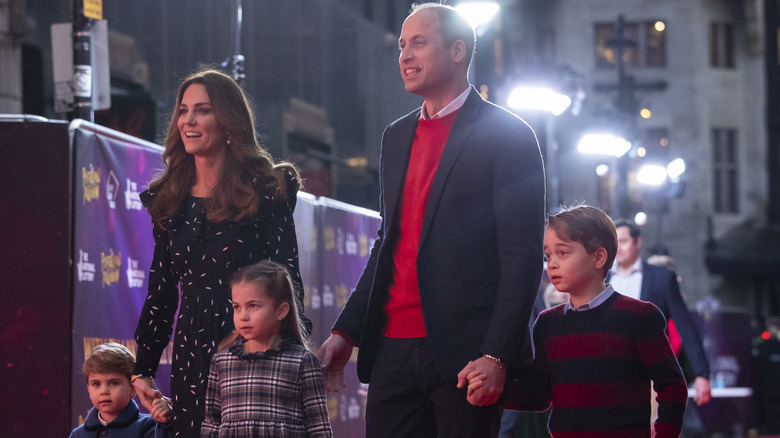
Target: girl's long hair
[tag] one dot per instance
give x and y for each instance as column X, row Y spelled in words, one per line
column 280, row 287
column 248, row 167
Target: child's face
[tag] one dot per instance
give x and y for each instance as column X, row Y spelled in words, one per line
column 569, row 266
column 110, row 393
column 256, row 316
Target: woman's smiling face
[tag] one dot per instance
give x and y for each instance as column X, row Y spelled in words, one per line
column 200, row 132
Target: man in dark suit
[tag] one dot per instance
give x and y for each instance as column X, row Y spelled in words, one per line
column 636, row 278
column 453, row 275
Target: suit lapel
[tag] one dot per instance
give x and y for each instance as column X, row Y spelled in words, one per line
column 396, row 165
column 459, row 135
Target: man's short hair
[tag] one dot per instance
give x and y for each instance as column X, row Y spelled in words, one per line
column 589, row 226
column 633, row 229
column 454, row 26
column 109, row 358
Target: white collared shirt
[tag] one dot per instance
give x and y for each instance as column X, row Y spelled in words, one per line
column 628, row 284
column 450, row 108
column 592, row 304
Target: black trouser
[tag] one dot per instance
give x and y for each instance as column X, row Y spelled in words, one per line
column 407, row 397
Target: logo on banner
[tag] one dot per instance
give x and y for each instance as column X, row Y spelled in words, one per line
column 135, row 276
column 328, row 299
column 339, row 241
column 110, row 265
column 86, row 270
column 316, row 299
column 349, row 408
column 90, row 180
column 351, row 244
column 112, row 189
column 329, row 237
column 363, row 239
column 132, row 198
column 342, row 293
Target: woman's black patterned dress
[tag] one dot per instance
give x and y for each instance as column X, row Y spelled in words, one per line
column 200, row 257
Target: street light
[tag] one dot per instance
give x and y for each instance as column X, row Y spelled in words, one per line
column 655, row 175
column 538, row 98
column 477, row 13
column 602, row 143
column 651, row 175
column 549, row 101
column 675, row 169
column 666, row 184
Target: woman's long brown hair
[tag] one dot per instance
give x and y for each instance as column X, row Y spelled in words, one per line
column 248, row 167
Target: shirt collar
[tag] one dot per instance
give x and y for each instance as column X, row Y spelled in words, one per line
column 592, row 304
column 450, row 108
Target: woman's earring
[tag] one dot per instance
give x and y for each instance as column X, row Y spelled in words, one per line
column 229, row 138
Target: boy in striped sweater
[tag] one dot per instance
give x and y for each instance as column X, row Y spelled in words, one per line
column 596, row 356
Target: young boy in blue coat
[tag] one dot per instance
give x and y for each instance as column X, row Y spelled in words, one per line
column 108, row 369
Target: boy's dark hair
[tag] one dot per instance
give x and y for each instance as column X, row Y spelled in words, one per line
column 589, row 226
column 109, row 358
column 633, row 229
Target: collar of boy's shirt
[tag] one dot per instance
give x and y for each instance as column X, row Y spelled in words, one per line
column 449, row 109
column 592, row 304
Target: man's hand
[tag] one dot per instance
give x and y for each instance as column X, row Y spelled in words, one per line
column 485, row 378
column 703, row 391
column 333, row 356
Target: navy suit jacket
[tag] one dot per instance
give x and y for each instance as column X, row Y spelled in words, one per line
column 479, row 260
column 659, row 286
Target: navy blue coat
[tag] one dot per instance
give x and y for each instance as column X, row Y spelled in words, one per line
column 131, row 423
column 659, row 286
column 479, row 260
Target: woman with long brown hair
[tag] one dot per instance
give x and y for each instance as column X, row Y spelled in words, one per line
column 221, row 203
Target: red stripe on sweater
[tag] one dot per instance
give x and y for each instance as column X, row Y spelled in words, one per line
column 572, row 395
column 578, row 346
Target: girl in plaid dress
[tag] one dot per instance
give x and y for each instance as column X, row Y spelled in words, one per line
column 264, row 381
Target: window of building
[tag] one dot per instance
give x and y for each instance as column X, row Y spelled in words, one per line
column 648, row 50
column 722, row 45
column 725, row 170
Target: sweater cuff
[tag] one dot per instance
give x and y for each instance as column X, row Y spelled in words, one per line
column 343, row 335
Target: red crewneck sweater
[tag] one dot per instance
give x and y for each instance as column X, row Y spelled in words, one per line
column 404, row 313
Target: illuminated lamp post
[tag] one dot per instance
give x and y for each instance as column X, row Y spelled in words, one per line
column 612, row 144
column 665, row 183
column 478, row 13
column 541, row 98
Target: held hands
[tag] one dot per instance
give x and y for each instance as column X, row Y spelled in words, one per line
column 149, row 395
column 485, row 378
column 333, row 356
column 161, row 409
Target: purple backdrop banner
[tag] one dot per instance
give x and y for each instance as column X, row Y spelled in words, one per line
column 112, row 247
column 306, row 217
column 348, row 233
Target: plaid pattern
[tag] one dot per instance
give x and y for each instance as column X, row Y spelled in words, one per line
column 272, row 393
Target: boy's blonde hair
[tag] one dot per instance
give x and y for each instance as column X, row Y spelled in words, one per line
column 589, row 226
column 109, row 358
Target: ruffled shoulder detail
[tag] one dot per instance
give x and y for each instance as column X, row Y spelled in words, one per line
column 269, row 198
column 147, row 196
